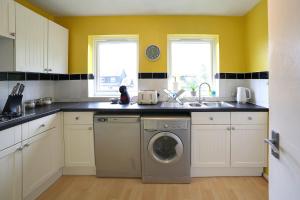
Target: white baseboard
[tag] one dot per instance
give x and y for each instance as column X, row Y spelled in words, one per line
column 79, row 171
column 33, row 195
column 226, row 171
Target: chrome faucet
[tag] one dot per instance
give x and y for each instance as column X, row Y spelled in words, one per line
column 200, row 86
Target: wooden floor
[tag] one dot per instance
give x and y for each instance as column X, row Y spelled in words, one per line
column 223, row 188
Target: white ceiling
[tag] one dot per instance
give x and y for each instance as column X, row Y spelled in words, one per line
column 146, row 7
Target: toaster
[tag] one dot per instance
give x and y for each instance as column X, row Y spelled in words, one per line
column 147, row 97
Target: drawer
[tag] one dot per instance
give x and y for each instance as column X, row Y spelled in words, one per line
column 78, row 117
column 41, row 125
column 211, row 118
column 249, row 118
column 10, row 137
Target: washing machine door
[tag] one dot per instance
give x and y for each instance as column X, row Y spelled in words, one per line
column 165, row 147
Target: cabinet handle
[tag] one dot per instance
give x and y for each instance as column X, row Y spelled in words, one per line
column 43, row 125
column 228, row 128
column 45, row 70
column 90, row 128
column 232, row 128
column 211, row 118
column 77, row 118
column 27, row 145
column 49, row 70
column 19, row 149
column 249, row 118
column 12, row 34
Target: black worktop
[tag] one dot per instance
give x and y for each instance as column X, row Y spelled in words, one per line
column 108, row 108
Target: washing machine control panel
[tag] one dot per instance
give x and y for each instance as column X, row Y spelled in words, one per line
column 172, row 125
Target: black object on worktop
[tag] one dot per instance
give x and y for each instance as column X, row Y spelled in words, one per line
column 124, row 98
column 13, row 105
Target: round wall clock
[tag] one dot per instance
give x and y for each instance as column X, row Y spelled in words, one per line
column 152, row 52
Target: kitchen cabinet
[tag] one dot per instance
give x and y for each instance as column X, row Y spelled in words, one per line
column 7, row 18
column 210, row 145
column 58, row 37
column 247, row 146
column 11, row 173
column 41, row 159
column 40, row 45
column 79, row 146
column 228, row 143
column 31, row 41
column 79, row 143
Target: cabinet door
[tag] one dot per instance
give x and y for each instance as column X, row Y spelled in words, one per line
column 31, row 40
column 79, row 146
column 11, row 173
column 58, row 37
column 210, row 145
column 247, row 146
column 40, row 160
column 7, row 18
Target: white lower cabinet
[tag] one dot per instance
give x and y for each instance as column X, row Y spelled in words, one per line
column 41, row 159
column 247, row 146
column 210, row 146
column 231, row 145
column 11, row 173
column 79, row 146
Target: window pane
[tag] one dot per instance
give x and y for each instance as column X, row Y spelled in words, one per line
column 116, row 65
column 191, row 62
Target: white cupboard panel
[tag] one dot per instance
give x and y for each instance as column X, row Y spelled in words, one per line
column 247, row 146
column 211, row 118
column 9, row 137
column 11, row 173
column 58, row 37
column 249, row 118
column 210, row 146
column 79, row 146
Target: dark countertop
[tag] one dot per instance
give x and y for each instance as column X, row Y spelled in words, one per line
column 105, row 108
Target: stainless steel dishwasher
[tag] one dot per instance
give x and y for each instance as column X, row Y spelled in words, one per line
column 117, row 145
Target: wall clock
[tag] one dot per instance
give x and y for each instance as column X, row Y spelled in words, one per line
column 152, row 52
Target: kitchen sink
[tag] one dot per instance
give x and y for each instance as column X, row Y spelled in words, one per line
column 218, row 104
column 198, row 105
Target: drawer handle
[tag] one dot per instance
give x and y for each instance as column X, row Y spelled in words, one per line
column 12, row 34
column 90, row 128
column 232, row 128
column 43, row 125
column 77, row 118
column 19, row 149
column 211, row 118
column 27, row 145
column 228, row 128
column 249, row 118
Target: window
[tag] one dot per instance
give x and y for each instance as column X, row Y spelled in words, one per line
column 192, row 60
column 116, row 64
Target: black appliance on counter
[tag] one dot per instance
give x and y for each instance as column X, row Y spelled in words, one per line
column 124, row 98
column 13, row 105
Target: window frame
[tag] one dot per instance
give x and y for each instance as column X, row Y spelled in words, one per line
column 212, row 39
column 109, row 38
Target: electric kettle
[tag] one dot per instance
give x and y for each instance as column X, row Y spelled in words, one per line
column 243, row 95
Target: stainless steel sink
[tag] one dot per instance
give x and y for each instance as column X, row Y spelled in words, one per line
column 218, row 104
column 195, row 104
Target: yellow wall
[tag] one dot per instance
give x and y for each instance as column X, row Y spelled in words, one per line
column 36, row 9
column 154, row 30
column 256, row 38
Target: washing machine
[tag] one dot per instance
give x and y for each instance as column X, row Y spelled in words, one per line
column 166, row 149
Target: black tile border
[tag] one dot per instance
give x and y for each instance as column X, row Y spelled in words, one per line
column 32, row 76
column 155, row 75
column 249, row 75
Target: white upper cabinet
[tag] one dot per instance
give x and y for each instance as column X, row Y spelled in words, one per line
column 7, row 18
column 31, row 41
column 58, row 37
column 40, row 45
